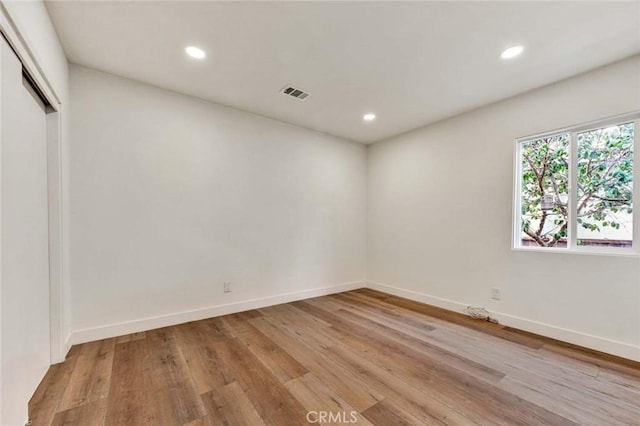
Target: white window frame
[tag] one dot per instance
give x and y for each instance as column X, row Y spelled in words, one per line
column 572, row 246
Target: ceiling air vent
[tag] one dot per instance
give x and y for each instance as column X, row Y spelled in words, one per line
column 294, row 92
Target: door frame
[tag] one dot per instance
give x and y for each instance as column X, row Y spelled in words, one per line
column 58, row 263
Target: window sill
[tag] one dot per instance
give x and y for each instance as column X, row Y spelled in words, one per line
column 589, row 252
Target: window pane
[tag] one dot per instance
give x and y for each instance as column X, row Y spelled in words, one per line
column 544, row 191
column 605, row 187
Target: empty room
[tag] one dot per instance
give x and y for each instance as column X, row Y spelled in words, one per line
column 319, row 212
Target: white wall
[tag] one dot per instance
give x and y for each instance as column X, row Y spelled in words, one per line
column 440, row 218
column 171, row 196
column 32, row 22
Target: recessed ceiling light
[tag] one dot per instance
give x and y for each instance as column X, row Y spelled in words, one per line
column 369, row 117
column 195, row 52
column 511, row 52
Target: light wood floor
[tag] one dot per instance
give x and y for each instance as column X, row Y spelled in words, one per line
column 388, row 360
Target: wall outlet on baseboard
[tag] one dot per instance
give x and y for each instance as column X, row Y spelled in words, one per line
column 227, row 286
column 495, row 293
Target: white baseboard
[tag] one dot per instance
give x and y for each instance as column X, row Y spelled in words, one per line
column 602, row 344
column 621, row 349
column 145, row 324
column 67, row 346
column 450, row 305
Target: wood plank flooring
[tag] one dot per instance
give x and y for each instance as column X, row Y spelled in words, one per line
column 360, row 357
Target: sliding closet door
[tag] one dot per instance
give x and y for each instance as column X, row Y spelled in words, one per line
column 24, row 284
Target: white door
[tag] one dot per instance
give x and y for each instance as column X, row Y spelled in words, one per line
column 24, row 252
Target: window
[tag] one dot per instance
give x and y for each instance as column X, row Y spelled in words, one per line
column 575, row 188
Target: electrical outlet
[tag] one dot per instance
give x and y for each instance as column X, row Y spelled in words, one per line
column 495, row 293
column 227, row 286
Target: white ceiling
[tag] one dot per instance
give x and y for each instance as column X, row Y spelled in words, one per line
column 411, row 63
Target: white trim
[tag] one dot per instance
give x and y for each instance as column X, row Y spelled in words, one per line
column 15, row 36
column 439, row 302
column 589, row 251
column 54, row 205
column 636, row 185
column 602, row 344
column 572, row 205
column 134, row 326
column 67, row 346
column 516, row 227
